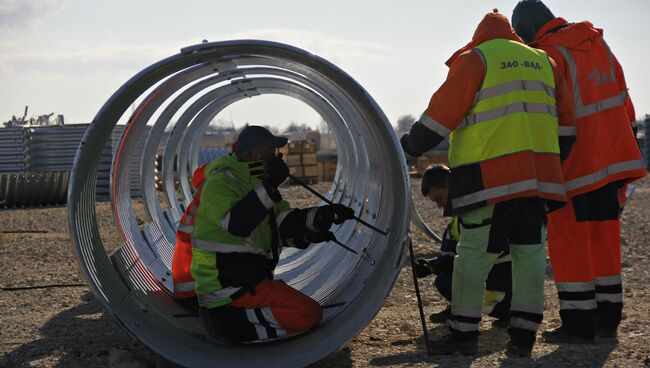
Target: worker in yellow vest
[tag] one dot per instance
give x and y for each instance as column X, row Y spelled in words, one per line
column 509, row 117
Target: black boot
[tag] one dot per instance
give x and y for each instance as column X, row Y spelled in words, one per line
column 440, row 317
column 561, row 335
column 464, row 343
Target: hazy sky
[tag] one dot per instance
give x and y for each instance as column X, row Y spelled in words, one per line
column 68, row 57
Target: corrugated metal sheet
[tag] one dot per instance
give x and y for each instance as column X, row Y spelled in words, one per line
column 35, row 163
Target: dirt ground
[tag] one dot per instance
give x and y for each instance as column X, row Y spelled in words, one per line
column 67, row 327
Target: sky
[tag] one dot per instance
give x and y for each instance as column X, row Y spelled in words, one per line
column 68, row 56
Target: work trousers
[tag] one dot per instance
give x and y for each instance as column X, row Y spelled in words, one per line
column 584, row 247
column 275, row 310
column 518, row 225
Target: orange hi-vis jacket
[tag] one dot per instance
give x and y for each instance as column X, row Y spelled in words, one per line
column 182, row 260
column 448, row 108
column 605, row 149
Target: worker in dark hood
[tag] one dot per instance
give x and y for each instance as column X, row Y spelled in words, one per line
column 584, row 236
column 505, row 107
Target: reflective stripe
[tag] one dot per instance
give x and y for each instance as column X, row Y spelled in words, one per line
column 217, row 295
column 609, row 280
column 612, row 298
column 604, row 173
column 259, row 329
column 507, row 189
column 466, row 311
column 462, row 326
column 515, row 85
column 183, row 286
column 504, row 259
column 266, row 312
column 264, row 196
column 601, row 105
column 523, row 324
column 567, row 130
column 529, row 107
column 527, row 307
column 227, row 248
column 185, row 228
column 575, row 286
column 225, row 221
column 228, row 172
column 280, row 218
column 578, row 304
column 580, row 109
column 310, row 219
column 432, row 124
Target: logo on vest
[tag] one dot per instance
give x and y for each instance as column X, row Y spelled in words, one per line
column 601, row 77
column 524, row 64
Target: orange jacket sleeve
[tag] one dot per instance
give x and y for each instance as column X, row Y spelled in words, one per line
column 448, row 105
column 563, row 97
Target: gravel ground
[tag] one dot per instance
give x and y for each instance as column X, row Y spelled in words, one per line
column 67, row 327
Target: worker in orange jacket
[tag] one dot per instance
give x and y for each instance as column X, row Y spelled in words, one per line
column 584, row 236
column 507, row 110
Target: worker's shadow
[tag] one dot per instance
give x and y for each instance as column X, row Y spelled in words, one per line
column 79, row 337
column 494, row 335
column 567, row 355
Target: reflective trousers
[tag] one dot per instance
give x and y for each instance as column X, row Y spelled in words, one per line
column 275, row 310
column 517, row 225
column 584, row 247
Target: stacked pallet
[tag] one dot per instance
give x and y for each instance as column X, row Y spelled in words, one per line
column 300, row 156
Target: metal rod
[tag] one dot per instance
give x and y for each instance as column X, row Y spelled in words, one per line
column 304, row 185
column 344, row 246
column 425, row 331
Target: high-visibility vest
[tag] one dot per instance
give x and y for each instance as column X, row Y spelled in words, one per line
column 605, row 149
column 507, row 145
column 227, row 181
column 182, row 260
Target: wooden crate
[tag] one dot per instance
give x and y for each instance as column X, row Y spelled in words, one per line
column 308, row 159
column 327, row 170
column 297, row 171
column 310, row 171
column 308, row 146
column 293, row 159
column 295, row 147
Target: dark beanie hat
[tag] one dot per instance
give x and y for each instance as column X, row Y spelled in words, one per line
column 528, row 17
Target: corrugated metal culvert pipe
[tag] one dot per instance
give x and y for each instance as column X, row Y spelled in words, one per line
column 183, row 93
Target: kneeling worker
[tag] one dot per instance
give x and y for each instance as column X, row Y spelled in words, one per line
column 240, row 226
column 498, row 286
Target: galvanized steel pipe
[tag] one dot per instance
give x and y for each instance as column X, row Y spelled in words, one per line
column 184, row 93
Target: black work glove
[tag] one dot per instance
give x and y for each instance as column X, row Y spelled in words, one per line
column 320, row 237
column 276, row 171
column 422, row 268
column 330, row 214
column 404, row 141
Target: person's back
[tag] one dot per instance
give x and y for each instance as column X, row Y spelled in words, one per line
column 584, row 236
column 506, row 107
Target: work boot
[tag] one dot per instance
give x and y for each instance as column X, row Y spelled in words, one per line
column 466, row 344
column 501, row 323
column 561, row 335
column 440, row 317
column 518, row 351
column 606, row 334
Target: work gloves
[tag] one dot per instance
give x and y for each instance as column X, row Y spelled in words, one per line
column 325, row 216
column 276, row 171
column 422, row 268
column 320, row 237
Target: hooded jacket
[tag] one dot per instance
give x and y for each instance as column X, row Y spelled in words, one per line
column 605, row 150
column 450, row 104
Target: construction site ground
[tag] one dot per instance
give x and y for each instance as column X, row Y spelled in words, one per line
column 68, row 327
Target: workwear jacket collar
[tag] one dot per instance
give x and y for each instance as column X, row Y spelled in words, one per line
column 242, row 170
column 493, row 25
column 578, row 36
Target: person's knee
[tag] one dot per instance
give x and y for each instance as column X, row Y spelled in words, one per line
column 310, row 314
